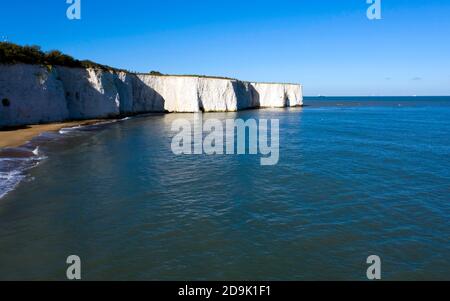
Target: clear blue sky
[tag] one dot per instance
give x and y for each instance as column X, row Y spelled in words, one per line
column 328, row 45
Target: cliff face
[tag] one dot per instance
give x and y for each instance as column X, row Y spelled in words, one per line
column 30, row 94
column 35, row 94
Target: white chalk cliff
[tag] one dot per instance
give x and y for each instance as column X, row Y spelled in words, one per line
column 32, row 94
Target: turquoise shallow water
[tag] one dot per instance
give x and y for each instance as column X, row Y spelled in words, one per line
column 356, row 177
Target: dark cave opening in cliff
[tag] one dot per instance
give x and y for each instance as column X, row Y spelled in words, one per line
column 6, row 102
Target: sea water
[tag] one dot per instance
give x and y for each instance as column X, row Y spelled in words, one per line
column 356, row 177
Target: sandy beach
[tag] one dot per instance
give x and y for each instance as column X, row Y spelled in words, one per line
column 20, row 136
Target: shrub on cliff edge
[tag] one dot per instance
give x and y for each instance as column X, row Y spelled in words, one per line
column 15, row 54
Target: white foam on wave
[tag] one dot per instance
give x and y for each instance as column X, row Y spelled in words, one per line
column 68, row 130
column 17, row 161
column 12, row 170
column 36, row 151
column 80, row 127
column 9, row 181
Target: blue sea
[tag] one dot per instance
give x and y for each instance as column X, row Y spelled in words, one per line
column 356, row 177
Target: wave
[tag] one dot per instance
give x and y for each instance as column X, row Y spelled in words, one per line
column 9, row 181
column 70, row 129
column 14, row 162
column 91, row 126
column 36, row 151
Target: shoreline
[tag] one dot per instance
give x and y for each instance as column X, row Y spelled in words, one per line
column 16, row 137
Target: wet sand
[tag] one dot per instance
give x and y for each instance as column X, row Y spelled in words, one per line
column 18, row 136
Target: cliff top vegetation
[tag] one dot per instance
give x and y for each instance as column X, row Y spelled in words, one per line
column 11, row 53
